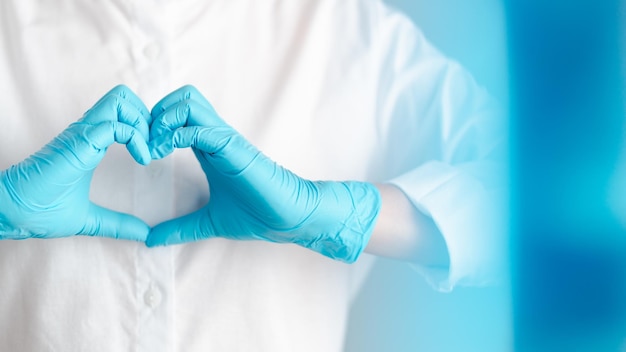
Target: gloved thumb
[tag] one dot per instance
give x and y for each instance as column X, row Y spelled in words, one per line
column 104, row 222
column 184, row 229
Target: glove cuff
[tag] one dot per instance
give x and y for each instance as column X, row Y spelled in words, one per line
column 344, row 221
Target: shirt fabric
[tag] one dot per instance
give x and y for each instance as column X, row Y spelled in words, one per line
column 330, row 89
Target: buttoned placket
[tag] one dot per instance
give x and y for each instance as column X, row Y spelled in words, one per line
column 154, row 189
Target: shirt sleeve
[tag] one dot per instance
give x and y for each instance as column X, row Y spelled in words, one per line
column 445, row 139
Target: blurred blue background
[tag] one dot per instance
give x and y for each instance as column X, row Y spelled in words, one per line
column 567, row 184
column 559, row 66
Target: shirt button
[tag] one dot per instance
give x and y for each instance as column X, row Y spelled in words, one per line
column 152, row 297
column 152, row 51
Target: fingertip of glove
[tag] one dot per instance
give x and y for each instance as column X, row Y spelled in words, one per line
column 152, row 242
column 146, row 159
column 155, row 155
column 134, row 229
column 140, row 235
column 159, row 150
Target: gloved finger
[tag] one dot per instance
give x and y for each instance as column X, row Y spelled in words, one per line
column 102, row 222
column 184, row 113
column 127, row 94
column 207, row 139
column 188, row 228
column 162, row 146
column 225, row 149
column 183, row 93
column 112, row 107
column 104, row 134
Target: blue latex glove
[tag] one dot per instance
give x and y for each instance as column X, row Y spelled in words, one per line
column 252, row 197
column 47, row 195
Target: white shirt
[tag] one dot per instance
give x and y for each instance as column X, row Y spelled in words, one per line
column 331, row 89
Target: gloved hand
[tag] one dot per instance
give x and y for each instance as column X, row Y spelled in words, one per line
column 251, row 197
column 47, row 195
